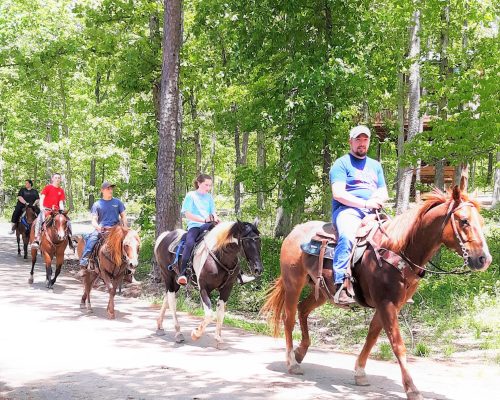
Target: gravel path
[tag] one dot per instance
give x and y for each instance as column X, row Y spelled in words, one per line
column 50, row 349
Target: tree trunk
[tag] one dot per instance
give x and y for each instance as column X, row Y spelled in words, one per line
column 439, row 174
column 236, row 183
column 443, row 101
column 495, row 200
column 212, row 158
column 166, row 201
column 196, row 131
column 413, row 110
column 67, row 152
column 92, row 182
column 489, row 173
column 2, row 191
column 261, row 165
column 401, row 130
column 325, row 178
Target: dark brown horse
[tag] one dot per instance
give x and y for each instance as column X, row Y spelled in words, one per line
column 118, row 253
column 53, row 242
column 411, row 239
column 216, row 268
column 23, row 228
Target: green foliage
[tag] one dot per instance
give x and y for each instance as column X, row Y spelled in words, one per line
column 422, row 350
column 384, row 352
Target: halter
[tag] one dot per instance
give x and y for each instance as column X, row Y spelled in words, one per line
column 232, row 270
column 458, row 236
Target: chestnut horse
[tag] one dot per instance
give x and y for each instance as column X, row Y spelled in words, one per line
column 411, row 239
column 118, row 253
column 217, row 270
column 23, row 228
column 53, row 242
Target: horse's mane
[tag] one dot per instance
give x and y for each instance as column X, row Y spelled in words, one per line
column 402, row 229
column 114, row 242
column 221, row 235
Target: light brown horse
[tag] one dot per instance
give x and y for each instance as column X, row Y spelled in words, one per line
column 412, row 238
column 119, row 252
column 53, row 242
column 23, row 228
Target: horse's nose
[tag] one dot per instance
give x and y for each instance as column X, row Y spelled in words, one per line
column 258, row 269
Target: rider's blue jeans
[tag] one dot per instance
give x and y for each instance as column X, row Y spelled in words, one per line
column 191, row 237
column 90, row 242
column 347, row 220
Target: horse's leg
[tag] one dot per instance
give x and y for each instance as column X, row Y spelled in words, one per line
column 389, row 317
column 18, row 242
column 106, row 279
column 159, row 321
column 25, row 246
column 89, row 279
column 48, row 268
column 207, row 307
column 59, row 263
column 112, row 293
column 371, row 339
column 221, row 308
column 293, row 287
column 33, row 262
column 305, row 307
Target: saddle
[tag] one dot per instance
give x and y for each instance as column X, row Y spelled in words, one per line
column 177, row 247
column 323, row 243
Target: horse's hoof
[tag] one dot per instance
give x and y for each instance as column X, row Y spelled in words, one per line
column 82, row 306
column 89, row 310
column 47, row 284
column 160, row 332
column 179, row 338
column 414, row 396
column 25, row 257
column 295, row 370
column 361, row 381
column 299, row 356
column 194, row 336
column 221, row 346
column 111, row 316
column 30, row 280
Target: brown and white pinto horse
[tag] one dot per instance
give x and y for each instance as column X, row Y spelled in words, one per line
column 217, row 270
column 53, row 242
column 23, row 229
column 119, row 252
column 416, row 235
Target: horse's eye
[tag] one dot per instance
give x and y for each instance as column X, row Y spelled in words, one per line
column 464, row 222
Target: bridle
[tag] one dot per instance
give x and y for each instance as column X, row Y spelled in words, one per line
column 465, row 253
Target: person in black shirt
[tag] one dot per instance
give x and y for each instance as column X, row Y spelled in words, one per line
column 26, row 196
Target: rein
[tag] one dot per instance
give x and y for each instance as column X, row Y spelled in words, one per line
column 465, row 254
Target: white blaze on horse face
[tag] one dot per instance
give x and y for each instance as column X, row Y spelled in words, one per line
column 61, row 231
column 476, row 223
column 132, row 244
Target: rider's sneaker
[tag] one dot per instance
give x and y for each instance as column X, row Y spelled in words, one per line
column 245, row 279
column 182, row 280
column 35, row 244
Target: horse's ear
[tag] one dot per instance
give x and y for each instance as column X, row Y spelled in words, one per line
column 457, row 194
column 256, row 222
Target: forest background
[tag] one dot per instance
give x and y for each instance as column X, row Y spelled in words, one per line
column 262, row 98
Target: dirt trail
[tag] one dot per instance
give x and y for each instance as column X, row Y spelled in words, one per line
column 50, row 349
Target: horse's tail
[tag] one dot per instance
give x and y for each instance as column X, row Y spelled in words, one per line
column 273, row 307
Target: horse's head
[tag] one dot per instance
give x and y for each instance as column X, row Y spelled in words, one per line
column 463, row 232
column 59, row 221
column 249, row 237
column 30, row 214
column 130, row 249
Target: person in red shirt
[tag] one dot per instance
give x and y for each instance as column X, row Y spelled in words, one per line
column 51, row 198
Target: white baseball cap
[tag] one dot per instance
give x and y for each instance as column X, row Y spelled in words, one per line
column 358, row 130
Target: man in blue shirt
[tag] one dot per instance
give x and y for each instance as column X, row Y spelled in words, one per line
column 106, row 213
column 358, row 188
